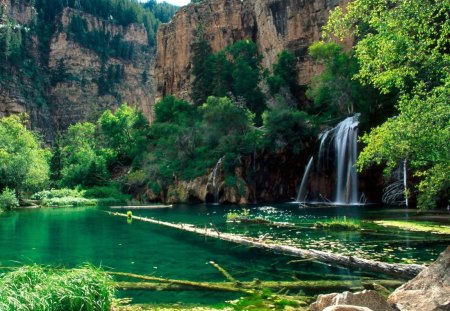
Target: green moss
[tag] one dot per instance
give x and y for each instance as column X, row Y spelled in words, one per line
column 339, row 223
column 415, row 226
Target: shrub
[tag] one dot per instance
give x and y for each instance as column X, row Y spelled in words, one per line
column 39, row 288
column 57, row 193
column 106, row 195
column 68, row 202
column 8, row 199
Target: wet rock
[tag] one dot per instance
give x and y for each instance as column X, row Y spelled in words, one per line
column 428, row 291
column 368, row 299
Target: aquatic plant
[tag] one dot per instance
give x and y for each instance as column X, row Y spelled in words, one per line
column 41, row 288
column 238, row 215
column 339, row 223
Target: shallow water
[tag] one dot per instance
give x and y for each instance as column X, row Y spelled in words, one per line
column 72, row 236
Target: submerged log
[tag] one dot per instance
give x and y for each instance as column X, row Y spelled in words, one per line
column 403, row 271
column 250, row 287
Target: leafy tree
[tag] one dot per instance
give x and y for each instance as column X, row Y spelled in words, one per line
column 8, row 199
column 336, row 94
column 284, row 73
column 287, row 129
column 403, row 46
column 84, row 161
column 23, row 162
column 420, row 134
column 125, row 132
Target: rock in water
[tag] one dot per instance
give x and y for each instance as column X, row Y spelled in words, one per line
column 366, row 300
column 428, row 291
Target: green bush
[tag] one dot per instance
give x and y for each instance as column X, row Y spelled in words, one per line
column 39, row 288
column 8, row 199
column 68, row 202
column 57, row 193
column 107, row 195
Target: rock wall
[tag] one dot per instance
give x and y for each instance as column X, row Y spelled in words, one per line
column 77, row 98
column 273, row 24
column 54, row 106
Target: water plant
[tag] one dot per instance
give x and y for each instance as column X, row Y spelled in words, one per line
column 238, row 215
column 339, row 223
column 41, row 288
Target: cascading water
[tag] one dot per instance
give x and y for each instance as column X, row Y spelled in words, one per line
column 340, row 141
column 213, row 181
column 301, row 196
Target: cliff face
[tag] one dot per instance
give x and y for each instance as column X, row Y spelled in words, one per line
column 57, row 83
column 77, row 97
column 273, row 24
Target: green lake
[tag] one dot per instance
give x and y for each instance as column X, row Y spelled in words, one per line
column 73, row 236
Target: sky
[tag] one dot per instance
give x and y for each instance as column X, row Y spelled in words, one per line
column 176, row 2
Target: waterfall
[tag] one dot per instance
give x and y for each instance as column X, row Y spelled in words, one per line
column 346, row 153
column 301, row 196
column 340, row 141
column 213, row 180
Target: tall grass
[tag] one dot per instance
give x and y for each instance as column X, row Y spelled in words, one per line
column 38, row 288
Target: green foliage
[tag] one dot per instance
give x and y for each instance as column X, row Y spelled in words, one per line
column 23, row 163
column 57, row 193
column 235, row 70
column 403, row 47
column 284, row 73
column 84, row 161
column 8, row 199
column 420, row 134
column 287, row 129
column 335, row 93
column 340, row 223
column 40, row 288
column 68, row 202
column 111, row 192
column 125, row 132
column 401, row 43
column 238, row 215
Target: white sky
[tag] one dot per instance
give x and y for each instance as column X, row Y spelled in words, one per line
column 176, row 2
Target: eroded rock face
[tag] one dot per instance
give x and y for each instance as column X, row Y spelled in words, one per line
column 77, row 98
column 365, row 300
column 274, row 25
column 53, row 106
column 429, row 291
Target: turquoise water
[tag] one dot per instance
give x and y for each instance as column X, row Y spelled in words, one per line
column 72, row 236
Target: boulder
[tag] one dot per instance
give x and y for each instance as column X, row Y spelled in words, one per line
column 346, row 308
column 428, row 291
column 368, row 299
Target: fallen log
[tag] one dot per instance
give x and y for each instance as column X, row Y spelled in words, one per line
column 402, row 271
column 250, row 287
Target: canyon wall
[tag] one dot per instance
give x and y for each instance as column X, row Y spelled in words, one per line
column 57, row 82
column 273, row 24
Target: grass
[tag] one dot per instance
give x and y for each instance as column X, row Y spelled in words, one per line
column 100, row 195
column 68, row 202
column 238, row 215
column 415, row 226
column 41, row 288
column 340, row 223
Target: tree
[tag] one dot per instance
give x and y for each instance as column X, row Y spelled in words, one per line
column 23, row 162
column 404, row 47
column 125, row 132
column 84, row 161
column 201, row 86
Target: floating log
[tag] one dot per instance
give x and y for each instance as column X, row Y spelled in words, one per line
column 250, row 287
column 141, row 206
column 402, row 271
